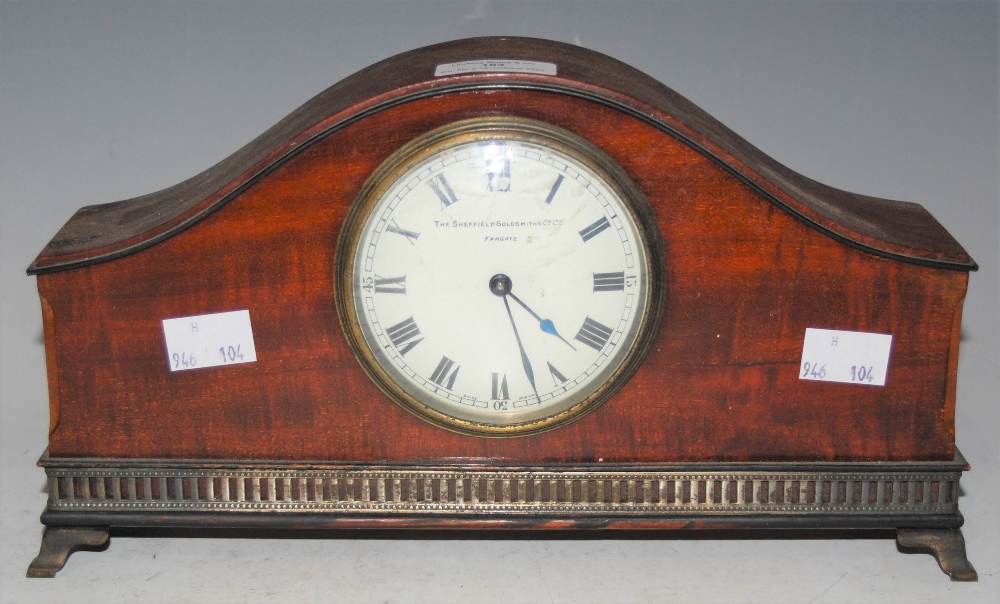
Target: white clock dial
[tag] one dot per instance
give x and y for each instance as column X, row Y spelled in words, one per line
column 499, row 278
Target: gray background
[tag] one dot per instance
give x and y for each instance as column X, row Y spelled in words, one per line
column 101, row 101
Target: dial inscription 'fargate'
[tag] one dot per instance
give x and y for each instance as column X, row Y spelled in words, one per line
column 522, row 263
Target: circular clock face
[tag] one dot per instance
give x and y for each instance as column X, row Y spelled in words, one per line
column 495, row 278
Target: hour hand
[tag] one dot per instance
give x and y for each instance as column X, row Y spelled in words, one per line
column 546, row 324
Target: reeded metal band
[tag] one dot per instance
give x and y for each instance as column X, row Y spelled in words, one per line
column 161, row 485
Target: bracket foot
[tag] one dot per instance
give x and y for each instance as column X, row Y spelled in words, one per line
column 58, row 543
column 946, row 545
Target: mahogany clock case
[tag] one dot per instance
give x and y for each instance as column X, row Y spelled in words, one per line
column 749, row 263
column 715, row 422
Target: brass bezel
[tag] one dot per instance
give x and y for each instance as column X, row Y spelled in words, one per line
column 531, row 132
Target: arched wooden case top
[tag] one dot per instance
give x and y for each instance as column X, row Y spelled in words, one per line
column 756, row 255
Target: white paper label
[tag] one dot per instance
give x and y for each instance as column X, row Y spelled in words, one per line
column 495, row 66
column 200, row 341
column 852, row 357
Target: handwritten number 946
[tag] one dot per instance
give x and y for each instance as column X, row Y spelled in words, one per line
column 184, row 360
column 230, row 354
column 813, row 370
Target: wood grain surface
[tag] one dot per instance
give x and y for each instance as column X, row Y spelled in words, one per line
column 745, row 276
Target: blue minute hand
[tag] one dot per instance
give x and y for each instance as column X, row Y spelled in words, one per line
column 547, row 325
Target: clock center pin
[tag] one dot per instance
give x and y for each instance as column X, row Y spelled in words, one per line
column 500, row 284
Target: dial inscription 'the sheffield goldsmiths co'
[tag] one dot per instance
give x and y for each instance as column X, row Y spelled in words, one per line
column 500, row 281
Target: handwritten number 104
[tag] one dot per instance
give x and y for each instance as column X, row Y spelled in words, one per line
column 230, row 354
column 862, row 374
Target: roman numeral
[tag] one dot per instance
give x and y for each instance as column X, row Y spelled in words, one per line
column 557, row 377
column 552, row 192
column 404, row 334
column 441, row 373
column 442, row 190
column 594, row 334
column 391, row 285
column 410, row 235
column 594, row 229
column 609, row 282
column 500, row 387
column 499, row 179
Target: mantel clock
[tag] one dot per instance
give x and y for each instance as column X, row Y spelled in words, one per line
column 502, row 283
